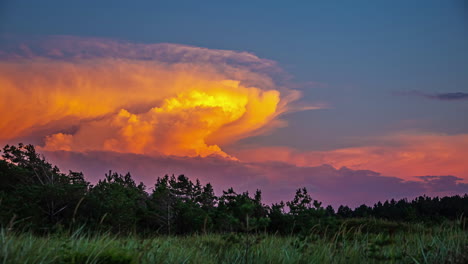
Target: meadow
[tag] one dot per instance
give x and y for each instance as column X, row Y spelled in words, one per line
column 356, row 241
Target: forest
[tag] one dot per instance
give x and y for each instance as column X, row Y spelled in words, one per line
column 40, row 205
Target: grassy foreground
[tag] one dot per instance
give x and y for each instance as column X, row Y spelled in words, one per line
column 447, row 243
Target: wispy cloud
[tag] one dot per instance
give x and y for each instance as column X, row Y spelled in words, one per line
column 455, row 96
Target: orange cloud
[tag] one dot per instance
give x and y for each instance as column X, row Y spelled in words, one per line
column 146, row 99
column 403, row 155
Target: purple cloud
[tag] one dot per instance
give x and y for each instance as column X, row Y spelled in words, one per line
column 277, row 180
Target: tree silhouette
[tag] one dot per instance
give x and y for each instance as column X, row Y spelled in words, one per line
column 36, row 196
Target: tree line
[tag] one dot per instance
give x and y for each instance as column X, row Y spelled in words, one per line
column 36, row 196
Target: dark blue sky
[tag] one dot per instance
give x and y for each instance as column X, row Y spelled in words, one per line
column 366, row 56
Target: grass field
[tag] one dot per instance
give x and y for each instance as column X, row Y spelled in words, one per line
column 445, row 243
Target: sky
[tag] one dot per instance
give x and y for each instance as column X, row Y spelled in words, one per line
column 358, row 101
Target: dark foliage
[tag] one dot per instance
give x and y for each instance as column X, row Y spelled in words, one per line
column 35, row 195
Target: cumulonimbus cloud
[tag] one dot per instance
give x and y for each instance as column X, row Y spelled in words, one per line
column 94, row 94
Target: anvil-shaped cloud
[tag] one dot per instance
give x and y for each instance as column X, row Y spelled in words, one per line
column 94, row 94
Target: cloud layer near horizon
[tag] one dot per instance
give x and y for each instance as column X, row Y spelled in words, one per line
column 94, row 94
column 403, row 155
column 277, row 180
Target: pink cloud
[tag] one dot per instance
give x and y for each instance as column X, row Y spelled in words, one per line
column 402, row 155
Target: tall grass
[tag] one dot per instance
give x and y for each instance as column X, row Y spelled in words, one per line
column 351, row 243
